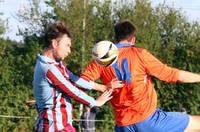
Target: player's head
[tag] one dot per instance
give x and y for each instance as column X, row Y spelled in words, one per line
column 124, row 30
column 58, row 40
column 55, row 31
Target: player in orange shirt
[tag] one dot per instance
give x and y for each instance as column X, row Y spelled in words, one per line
column 135, row 105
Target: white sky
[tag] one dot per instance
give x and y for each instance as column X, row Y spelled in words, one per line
column 9, row 8
column 190, row 7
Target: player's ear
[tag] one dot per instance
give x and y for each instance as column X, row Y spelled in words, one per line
column 133, row 39
column 54, row 43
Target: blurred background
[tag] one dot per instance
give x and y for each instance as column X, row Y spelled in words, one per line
column 170, row 29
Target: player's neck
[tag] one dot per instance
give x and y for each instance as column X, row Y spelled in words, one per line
column 130, row 40
column 126, row 42
column 48, row 53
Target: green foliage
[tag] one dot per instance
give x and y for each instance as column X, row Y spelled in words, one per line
column 162, row 30
column 17, row 63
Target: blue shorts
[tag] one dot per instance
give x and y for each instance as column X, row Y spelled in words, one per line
column 159, row 121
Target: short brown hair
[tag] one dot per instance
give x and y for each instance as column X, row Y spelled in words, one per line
column 124, row 30
column 54, row 31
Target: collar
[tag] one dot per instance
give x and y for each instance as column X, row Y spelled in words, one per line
column 46, row 59
column 122, row 45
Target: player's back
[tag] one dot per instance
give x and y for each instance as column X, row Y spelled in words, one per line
column 137, row 99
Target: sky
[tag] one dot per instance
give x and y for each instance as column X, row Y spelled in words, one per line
column 9, row 8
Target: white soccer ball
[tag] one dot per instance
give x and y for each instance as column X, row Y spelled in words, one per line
column 105, row 53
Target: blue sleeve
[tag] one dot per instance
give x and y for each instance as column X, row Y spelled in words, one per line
column 80, row 81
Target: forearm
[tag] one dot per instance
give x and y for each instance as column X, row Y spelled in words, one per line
column 99, row 87
column 188, row 77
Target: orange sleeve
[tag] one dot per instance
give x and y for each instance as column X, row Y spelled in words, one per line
column 92, row 71
column 158, row 69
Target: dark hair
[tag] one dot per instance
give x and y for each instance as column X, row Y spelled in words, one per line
column 54, row 31
column 123, row 30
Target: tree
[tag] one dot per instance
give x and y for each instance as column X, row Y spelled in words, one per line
column 162, row 30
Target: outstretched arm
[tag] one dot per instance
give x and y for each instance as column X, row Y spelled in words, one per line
column 188, row 77
column 56, row 78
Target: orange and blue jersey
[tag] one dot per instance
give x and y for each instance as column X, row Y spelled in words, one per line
column 137, row 100
column 53, row 86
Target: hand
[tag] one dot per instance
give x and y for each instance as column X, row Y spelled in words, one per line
column 113, row 84
column 104, row 97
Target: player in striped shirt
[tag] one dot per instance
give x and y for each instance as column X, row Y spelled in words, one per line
column 54, row 85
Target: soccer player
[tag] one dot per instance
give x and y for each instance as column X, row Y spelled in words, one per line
column 54, row 84
column 135, row 105
column 87, row 122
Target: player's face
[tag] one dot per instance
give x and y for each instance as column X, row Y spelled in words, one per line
column 62, row 48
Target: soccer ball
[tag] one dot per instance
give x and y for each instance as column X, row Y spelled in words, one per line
column 105, row 53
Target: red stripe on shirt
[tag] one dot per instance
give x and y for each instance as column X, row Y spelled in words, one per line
column 65, row 89
column 53, row 109
column 45, row 121
column 63, row 111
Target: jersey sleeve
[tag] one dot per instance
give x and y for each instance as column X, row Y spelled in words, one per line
column 57, row 79
column 85, row 84
column 158, row 69
column 92, row 71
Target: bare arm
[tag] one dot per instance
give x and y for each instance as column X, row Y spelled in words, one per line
column 111, row 85
column 188, row 77
column 99, row 87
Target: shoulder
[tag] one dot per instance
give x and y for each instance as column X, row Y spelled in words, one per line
column 42, row 67
column 54, row 69
column 50, row 66
column 94, row 65
column 132, row 50
column 141, row 50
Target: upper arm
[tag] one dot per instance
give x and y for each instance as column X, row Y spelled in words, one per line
column 156, row 68
column 92, row 71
